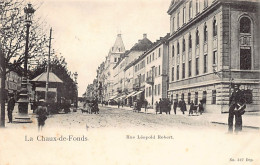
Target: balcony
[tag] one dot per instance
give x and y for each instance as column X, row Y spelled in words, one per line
column 136, row 86
column 149, row 80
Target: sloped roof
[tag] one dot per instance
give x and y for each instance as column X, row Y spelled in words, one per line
column 142, row 45
column 118, row 45
column 43, row 78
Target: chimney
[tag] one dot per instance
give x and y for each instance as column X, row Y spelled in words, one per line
column 145, row 35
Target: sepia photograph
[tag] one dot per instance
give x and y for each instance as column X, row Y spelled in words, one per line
column 129, row 82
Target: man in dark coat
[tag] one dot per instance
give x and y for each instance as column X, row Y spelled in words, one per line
column 10, row 108
column 191, row 108
column 236, row 99
column 175, row 105
column 160, row 105
column 183, row 106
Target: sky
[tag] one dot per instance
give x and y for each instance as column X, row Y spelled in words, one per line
column 85, row 30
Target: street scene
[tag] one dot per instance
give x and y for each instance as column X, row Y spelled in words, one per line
column 110, row 73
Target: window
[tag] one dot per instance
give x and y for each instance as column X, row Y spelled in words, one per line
column 197, row 66
column 183, row 70
column 155, row 72
column 173, row 51
column 159, row 53
column 205, row 3
column 190, row 43
column 184, row 15
column 197, row 7
column 245, row 59
column 147, row 59
column 172, row 73
column 197, row 38
column 196, row 98
column 189, row 68
column 205, row 33
column 178, row 48
column 214, row 97
column 183, row 45
column 215, row 57
column 245, row 25
column 248, row 96
column 190, row 9
column 204, row 97
column 215, row 27
column 159, row 89
column 177, row 72
column 150, row 58
column 205, row 63
column 153, row 56
column 189, row 98
column 155, row 89
column 115, row 59
column 178, row 20
column 150, row 91
column 173, row 28
column 159, row 72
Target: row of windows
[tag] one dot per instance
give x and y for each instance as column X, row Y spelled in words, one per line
column 155, row 71
column 190, row 13
column 196, row 38
column 156, row 91
column 152, row 56
column 140, row 66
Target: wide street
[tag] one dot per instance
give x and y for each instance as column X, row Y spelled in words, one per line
column 125, row 118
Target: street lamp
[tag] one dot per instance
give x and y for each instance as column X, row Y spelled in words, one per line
column 76, row 77
column 24, row 100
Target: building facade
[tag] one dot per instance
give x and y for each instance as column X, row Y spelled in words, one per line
column 213, row 45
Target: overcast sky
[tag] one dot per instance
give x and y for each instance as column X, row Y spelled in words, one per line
column 85, row 30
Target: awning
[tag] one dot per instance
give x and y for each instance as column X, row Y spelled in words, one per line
column 137, row 93
column 43, row 78
column 113, row 97
column 121, row 97
column 129, row 95
column 43, row 89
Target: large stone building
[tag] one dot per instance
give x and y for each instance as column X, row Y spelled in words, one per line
column 124, row 68
column 105, row 71
column 214, row 44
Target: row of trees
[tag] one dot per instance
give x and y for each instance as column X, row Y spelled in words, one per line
column 12, row 48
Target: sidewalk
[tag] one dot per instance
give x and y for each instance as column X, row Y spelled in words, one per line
column 250, row 119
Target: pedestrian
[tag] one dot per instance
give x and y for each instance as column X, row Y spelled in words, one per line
column 118, row 103
column 175, row 105
column 191, row 108
column 160, row 105
column 42, row 114
column 10, row 107
column 182, row 105
column 236, row 100
column 157, row 108
column 200, row 107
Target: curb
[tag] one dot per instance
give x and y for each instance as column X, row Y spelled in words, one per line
column 252, row 127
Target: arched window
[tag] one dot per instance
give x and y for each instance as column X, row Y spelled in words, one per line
column 197, row 37
column 215, row 29
column 205, row 33
column 245, row 25
column 183, row 45
column 178, row 48
column 190, row 42
column 173, row 51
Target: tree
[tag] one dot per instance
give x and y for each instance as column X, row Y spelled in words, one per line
column 12, row 41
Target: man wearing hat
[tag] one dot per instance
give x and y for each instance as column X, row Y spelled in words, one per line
column 236, row 99
column 10, row 107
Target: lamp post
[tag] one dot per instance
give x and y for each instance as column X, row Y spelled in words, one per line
column 76, row 77
column 24, row 100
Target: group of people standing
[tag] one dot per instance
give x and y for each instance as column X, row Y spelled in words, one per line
column 193, row 107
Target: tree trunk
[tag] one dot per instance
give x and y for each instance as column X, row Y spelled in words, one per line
column 2, row 92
